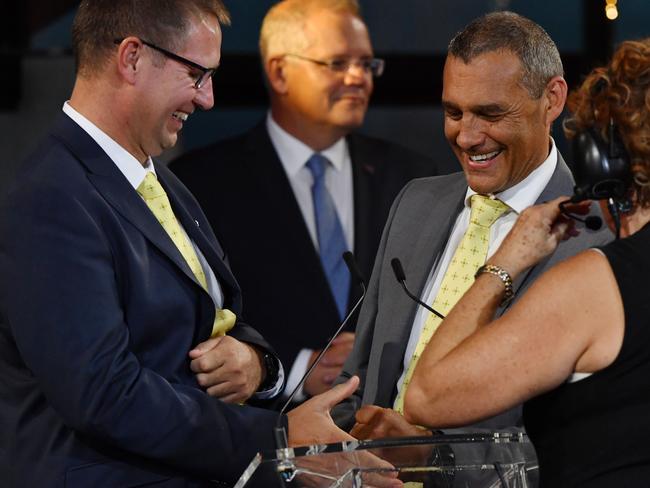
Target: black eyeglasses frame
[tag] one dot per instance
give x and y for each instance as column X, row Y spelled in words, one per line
column 205, row 72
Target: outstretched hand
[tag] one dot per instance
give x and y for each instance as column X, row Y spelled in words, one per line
column 311, row 423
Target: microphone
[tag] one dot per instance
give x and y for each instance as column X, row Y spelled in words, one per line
column 280, row 432
column 592, row 222
column 400, row 276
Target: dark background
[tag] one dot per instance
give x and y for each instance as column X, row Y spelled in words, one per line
column 38, row 71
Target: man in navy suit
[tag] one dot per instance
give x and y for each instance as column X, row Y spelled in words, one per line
column 319, row 65
column 104, row 319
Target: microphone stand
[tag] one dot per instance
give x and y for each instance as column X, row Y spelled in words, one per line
column 286, row 468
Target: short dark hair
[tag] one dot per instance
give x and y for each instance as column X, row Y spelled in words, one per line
column 508, row 31
column 98, row 23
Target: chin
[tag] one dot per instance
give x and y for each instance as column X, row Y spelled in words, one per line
column 483, row 185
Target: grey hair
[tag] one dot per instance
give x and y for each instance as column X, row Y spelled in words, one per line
column 508, row 31
column 283, row 26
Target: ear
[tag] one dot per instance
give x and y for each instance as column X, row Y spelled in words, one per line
column 276, row 73
column 129, row 53
column 555, row 93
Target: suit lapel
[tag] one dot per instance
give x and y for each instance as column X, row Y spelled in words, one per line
column 214, row 255
column 279, row 203
column 363, row 182
column 116, row 190
column 561, row 183
column 418, row 260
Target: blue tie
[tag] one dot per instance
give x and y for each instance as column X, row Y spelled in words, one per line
column 331, row 239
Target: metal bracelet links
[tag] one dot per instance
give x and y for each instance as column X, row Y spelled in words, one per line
column 503, row 275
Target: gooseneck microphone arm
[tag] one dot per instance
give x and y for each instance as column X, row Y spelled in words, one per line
column 592, row 222
column 401, row 278
column 281, row 440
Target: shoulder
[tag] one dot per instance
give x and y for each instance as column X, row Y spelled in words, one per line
column 218, row 156
column 433, row 188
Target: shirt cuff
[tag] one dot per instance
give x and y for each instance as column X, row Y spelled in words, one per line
column 298, row 370
column 275, row 390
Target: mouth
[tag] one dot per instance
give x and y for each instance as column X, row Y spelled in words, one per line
column 182, row 116
column 484, row 158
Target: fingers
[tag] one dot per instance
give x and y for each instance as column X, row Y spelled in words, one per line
column 208, row 361
column 204, row 347
column 339, row 393
column 366, row 413
column 362, row 431
column 344, row 337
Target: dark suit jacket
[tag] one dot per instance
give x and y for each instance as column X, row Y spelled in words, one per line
column 417, row 231
column 244, row 190
column 98, row 312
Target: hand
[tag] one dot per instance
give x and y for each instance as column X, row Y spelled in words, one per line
column 227, row 368
column 376, row 422
column 536, row 234
column 330, row 365
column 377, row 473
column 310, row 423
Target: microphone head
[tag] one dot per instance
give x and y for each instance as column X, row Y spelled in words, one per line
column 593, row 222
column 396, row 264
column 354, row 270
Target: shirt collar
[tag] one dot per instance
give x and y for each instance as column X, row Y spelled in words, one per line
column 525, row 193
column 294, row 153
column 128, row 165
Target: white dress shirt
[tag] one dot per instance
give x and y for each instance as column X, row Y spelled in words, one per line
column 135, row 173
column 518, row 198
column 294, row 155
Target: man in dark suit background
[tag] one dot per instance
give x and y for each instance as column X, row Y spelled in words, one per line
column 112, row 281
column 258, row 189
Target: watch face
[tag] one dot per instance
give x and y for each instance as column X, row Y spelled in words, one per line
column 271, row 367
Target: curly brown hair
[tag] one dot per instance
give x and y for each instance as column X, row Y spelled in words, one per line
column 620, row 91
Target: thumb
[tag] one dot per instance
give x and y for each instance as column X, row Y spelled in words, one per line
column 203, row 347
column 339, row 393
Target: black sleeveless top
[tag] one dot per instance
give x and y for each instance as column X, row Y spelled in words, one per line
column 596, row 432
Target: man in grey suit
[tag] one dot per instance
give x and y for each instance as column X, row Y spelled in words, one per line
column 503, row 87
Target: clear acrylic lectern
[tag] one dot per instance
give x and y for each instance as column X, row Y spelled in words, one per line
column 441, row 461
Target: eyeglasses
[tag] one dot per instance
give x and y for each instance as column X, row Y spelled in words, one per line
column 199, row 79
column 374, row 66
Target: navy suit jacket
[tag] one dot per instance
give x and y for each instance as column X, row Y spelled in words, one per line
column 98, row 313
column 243, row 188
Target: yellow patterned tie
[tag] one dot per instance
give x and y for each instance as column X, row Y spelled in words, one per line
column 156, row 199
column 469, row 256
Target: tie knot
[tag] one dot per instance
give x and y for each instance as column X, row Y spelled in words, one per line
column 317, row 164
column 485, row 210
column 150, row 188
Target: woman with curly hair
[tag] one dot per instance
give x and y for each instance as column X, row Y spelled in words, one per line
column 575, row 349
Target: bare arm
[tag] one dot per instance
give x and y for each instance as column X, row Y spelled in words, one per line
column 570, row 320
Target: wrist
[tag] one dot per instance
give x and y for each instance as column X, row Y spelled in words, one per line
column 270, row 369
column 503, row 275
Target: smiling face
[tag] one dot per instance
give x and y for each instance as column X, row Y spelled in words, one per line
column 313, row 102
column 497, row 131
column 167, row 95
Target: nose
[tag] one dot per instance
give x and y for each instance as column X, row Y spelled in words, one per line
column 470, row 133
column 357, row 75
column 204, row 96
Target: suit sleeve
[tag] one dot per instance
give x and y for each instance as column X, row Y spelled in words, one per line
column 357, row 362
column 65, row 310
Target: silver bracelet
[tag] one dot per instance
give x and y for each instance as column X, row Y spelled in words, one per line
column 503, row 275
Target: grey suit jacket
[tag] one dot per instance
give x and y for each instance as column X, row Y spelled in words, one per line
column 416, row 232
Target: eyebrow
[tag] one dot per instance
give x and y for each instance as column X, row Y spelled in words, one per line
column 481, row 109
